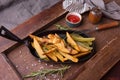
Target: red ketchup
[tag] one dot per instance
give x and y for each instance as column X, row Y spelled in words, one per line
column 73, row 18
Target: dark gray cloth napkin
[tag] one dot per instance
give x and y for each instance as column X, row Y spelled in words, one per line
column 111, row 9
column 5, row 2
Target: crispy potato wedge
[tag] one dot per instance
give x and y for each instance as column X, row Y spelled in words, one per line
column 82, row 49
column 53, row 38
column 38, row 49
column 52, row 56
column 36, row 37
column 81, row 54
column 62, row 48
column 59, row 42
column 72, row 51
column 59, row 56
column 77, row 37
column 50, row 51
column 69, row 57
column 72, row 42
column 39, row 39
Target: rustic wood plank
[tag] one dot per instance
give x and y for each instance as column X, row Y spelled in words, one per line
column 100, row 63
column 7, row 72
column 37, row 22
column 33, row 25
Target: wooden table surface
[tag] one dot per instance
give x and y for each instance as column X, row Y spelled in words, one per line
column 16, row 60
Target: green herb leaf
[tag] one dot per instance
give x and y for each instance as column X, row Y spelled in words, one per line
column 45, row 72
column 60, row 27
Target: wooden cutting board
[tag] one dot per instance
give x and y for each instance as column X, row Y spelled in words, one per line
column 17, row 61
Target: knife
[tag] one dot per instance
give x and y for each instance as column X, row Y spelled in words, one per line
column 102, row 27
column 97, row 28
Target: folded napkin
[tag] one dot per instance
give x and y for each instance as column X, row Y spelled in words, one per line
column 5, row 2
column 111, row 9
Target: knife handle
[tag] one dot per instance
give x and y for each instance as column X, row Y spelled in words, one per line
column 107, row 25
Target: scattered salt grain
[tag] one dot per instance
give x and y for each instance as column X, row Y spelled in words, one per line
column 32, row 64
column 35, row 64
column 46, row 64
column 20, row 51
column 54, row 76
column 24, row 59
column 39, row 61
column 16, row 66
column 9, row 68
column 51, row 65
column 21, row 55
column 47, row 79
column 41, row 67
column 27, row 67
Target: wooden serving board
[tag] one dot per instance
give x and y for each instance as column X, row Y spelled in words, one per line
column 17, row 61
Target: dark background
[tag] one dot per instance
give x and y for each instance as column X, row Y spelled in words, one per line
column 15, row 12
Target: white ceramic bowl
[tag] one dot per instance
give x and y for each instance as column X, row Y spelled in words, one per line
column 73, row 19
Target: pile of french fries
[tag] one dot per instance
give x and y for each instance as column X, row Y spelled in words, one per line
column 53, row 47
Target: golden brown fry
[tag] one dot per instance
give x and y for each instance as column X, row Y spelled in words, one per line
column 72, row 51
column 53, row 38
column 59, row 56
column 82, row 49
column 57, row 41
column 74, row 59
column 50, row 51
column 39, row 39
column 38, row 49
column 72, row 42
column 62, row 48
column 81, row 54
column 52, row 56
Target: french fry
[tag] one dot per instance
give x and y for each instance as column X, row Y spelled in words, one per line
column 81, row 54
column 62, row 47
column 50, row 51
column 72, row 42
column 39, row 39
column 72, row 51
column 38, row 49
column 59, row 56
column 74, row 59
column 77, row 37
column 52, row 56
column 85, row 45
column 82, row 49
column 53, row 38
column 78, row 55
column 57, row 41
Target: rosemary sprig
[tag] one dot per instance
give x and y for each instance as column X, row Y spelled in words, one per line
column 44, row 72
column 60, row 27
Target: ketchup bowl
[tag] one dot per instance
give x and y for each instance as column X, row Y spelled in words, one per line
column 73, row 19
